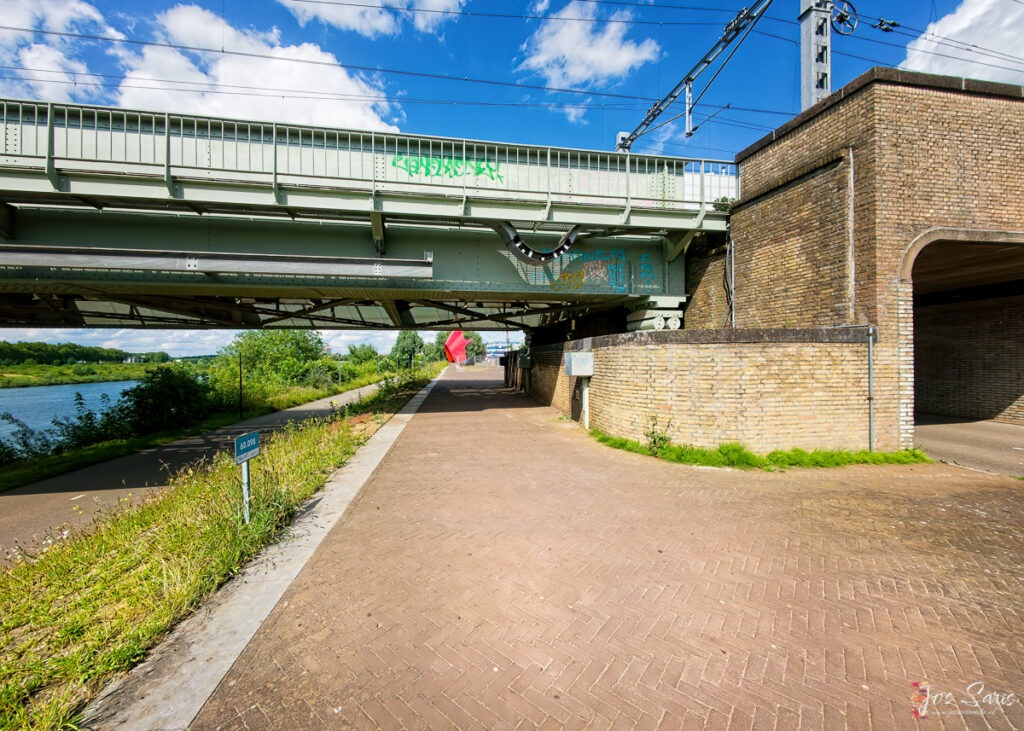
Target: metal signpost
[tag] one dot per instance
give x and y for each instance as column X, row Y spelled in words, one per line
column 247, row 446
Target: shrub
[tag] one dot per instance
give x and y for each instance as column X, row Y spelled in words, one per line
column 166, row 398
column 657, row 439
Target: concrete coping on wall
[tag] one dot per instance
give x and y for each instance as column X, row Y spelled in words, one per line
column 885, row 75
column 851, row 335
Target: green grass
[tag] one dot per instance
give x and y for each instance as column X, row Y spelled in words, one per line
column 25, row 472
column 92, row 606
column 733, row 454
column 17, row 376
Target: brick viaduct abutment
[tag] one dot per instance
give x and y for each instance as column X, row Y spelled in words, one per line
column 898, row 203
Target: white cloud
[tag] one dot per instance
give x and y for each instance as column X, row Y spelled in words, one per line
column 339, row 340
column 51, row 15
column 378, row 19
column 176, row 343
column 367, row 21
column 585, row 52
column 50, row 74
column 992, row 25
column 575, row 112
column 428, row 22
column 181, row 343
column 49, row 66
column 267, row 84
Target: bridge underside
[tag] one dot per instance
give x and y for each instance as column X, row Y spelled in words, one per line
column 78, row 267
column 115, row 218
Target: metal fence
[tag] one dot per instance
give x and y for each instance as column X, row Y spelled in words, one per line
column 64, row 135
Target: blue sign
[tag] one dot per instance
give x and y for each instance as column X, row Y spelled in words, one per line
column 247, row 446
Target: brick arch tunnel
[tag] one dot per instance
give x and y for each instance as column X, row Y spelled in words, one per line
column 968, row 325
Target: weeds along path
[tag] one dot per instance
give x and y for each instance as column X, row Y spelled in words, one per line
column 93, row 605
column 35, row 515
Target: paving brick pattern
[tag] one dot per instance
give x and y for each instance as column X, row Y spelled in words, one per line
column 503, row 570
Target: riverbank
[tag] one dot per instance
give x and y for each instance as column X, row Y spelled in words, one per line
column 25, row 376
column 27, row 471
column 152, row 565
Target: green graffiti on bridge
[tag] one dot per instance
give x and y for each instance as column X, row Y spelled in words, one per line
column 447, row 167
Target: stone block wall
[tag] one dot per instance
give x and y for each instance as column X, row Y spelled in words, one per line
column 769, row 390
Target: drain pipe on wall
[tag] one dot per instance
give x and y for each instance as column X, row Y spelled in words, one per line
column 732, row 282
column 872, row 337
column 585, row 401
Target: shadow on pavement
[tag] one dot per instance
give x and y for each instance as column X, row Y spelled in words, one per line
column 477, row 391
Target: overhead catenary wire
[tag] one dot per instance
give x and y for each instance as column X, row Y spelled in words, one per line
column 626, row 99
column 943, row 40
column 847, row 54
column 312, row 94
column 317, row 96
column 327, row 64
column 909, row 31
column 740, row 26
column 509, row 16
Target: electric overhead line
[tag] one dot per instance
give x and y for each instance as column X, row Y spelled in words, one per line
column 312, row 95
column 327, row 64
column 507, row 16
column 276, row 92
column 307, row 95
column 911, row 32
column 660, row 6
column 268, row 57
column 890, row 26
column 739, row 27
column 878, row 61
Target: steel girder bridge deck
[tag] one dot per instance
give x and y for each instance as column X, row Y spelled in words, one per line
column 115, row 217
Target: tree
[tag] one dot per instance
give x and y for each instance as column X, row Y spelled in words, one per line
column 475, row 348
column 280, row 356
column 433, row 352
column 407, row 347
column 167, row 397
column 361, row 353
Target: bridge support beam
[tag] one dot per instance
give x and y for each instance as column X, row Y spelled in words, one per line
column 377, row 231
column 7, row 221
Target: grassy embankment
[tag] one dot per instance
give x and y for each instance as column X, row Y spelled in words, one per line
column 28, row 471
column 738, row 456
column 90, row 607
column 16, row 376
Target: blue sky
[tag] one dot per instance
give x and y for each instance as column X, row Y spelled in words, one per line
column 552, row 72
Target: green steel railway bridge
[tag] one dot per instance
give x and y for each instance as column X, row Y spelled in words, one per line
column 125, row 218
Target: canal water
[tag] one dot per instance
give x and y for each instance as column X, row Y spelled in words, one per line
column 37, row 406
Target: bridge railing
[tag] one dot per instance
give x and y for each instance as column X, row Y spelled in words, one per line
column 83, row 138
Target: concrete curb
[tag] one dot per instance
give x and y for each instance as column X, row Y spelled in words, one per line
column 169, row 689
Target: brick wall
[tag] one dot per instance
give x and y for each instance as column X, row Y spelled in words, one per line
column 708, row 308
column 767, row 389
column 834, row 200
column 968, row 359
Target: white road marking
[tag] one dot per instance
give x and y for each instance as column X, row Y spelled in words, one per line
column 77, row 498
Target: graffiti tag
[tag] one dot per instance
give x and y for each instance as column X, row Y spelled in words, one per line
column 447, row 167
column 646, row 270
column 597, row 268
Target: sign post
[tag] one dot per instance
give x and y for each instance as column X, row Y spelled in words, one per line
column 247, row 446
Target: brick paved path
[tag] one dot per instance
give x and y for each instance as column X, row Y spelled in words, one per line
column 502, row 570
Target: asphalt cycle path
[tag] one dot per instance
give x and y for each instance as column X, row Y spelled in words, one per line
column 35, row 514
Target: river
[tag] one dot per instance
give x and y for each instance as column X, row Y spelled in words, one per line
column 37, row 406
